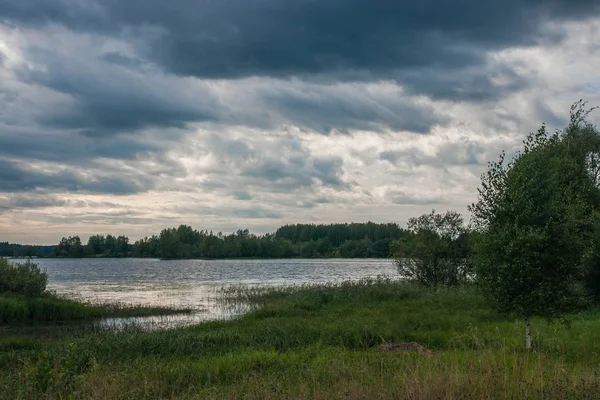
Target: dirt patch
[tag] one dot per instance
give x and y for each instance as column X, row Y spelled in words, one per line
column 406, row 346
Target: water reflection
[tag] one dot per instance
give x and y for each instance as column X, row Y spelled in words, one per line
column 192, row 284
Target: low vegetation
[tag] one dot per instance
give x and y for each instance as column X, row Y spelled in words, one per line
column 320, row 342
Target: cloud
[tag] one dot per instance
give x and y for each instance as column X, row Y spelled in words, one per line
column 448, row 154
column 101, row 98
column 346, row 107
column 230, row 114
column 356, row 40
column 280, row 162
column 15, row 177
column 402, row 198
column 256, row 213
column 81, row 88
column 17, row 201
column 48, row 145
column 242, row 195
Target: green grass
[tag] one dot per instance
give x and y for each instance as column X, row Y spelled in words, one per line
column 15, row 309
column 320, row 342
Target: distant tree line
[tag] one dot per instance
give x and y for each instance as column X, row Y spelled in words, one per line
column 19, row 250
column 355, row 240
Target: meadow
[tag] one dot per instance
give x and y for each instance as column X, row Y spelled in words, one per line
column 319, row 342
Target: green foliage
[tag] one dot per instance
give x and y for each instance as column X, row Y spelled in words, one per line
column 535, row 215
column 338, row 234
column 22, row 278
column 436, row 252
column 61, row 375
column 591, row 263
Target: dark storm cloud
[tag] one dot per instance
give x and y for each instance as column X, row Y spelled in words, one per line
column 107, row 99
column 15, row 177
column 337, row 39
column 324, row 108
column 70, row 147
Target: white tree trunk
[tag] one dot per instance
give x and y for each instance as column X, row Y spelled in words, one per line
column 527, row 334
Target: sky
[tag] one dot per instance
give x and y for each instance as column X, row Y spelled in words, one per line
column 127, row 116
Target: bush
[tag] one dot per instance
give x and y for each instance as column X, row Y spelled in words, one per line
column 436, row 251
column 22, row 278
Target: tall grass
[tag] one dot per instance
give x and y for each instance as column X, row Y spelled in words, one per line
column 322, row 342
column 51, row 308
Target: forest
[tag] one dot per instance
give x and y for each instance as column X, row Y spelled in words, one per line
column 354, row 240
column 20, row 250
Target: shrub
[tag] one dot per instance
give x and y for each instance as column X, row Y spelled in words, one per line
column 22, row 278
column 436, row 251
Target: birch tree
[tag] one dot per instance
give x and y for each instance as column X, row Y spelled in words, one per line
column 534, row 215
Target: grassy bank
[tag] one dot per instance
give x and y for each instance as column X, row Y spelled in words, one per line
column 16, row 309
column 321, row 342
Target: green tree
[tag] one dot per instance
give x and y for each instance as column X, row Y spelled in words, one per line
column 169, row 244
column 534, row 217
column 434, row 254
column 96, row 244
column 69, row 247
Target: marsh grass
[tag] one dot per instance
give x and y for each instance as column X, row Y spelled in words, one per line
column 321, row 342
column 48, row 307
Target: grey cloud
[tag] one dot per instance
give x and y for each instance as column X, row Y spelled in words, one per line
column 241, row 195
column 106, row 99
column 340, row 39
column 322, row 200
column 324, row 108
column 15, row 201
column 212, row 185
column 71, row 147
column 456, row 153
column 252, row 213
column 27, row 201
column 399, row 197
column 280, row 164
column 296, row 172
column 104, row 219
column 15, row 177
column 122, row 60
column 232, row 148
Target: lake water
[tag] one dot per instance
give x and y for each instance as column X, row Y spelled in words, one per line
column 192, row 284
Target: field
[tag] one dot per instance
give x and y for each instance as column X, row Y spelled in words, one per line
column 319, row 342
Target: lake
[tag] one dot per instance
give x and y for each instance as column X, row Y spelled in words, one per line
column 192, row 284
